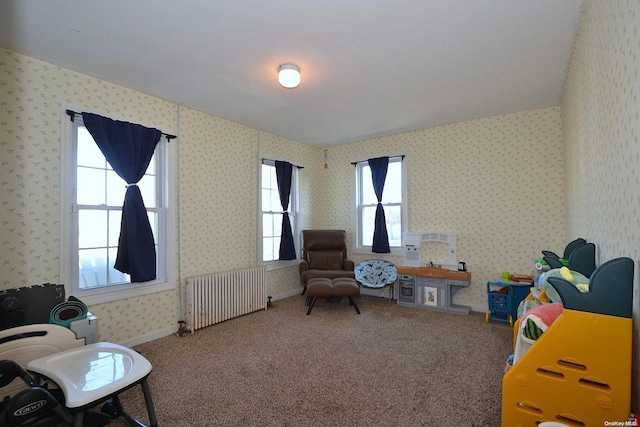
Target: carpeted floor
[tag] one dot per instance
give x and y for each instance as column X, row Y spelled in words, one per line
column 389, row 366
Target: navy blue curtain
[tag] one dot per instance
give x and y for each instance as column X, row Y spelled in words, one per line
column 284, row 173
column 128, row 148
column 379, row 168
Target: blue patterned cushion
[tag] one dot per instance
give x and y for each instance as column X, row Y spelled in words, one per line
column 376, row 273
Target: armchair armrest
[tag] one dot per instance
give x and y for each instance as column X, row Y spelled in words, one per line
column 348, row 264
column 303, row 266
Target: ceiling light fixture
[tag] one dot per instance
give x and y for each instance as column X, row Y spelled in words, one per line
column 289, row 75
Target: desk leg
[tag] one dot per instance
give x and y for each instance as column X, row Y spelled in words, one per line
column 153, row 422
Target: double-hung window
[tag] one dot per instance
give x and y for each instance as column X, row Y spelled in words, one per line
column 393, row 202
column 271, row 210
column 92, row 196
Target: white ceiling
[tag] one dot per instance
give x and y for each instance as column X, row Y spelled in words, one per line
column 369, row 67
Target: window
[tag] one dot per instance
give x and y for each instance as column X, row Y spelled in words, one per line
column 393, row 201
column 271, row 210
column 92, row 197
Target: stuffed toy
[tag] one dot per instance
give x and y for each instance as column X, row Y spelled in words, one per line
column 539, row 318
column 580, row 281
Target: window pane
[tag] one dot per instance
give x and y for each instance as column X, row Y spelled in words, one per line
column 151, row 169
column 392, row 192
column 368, row 222
column 91, row 187
column 276, row 247
column 393, row 184
column 92, row 229
column 266, row 200
column 115, row 219
column 368, row 195
column 267, row 225
column 394, row 224
column 92, row 267
column 267, row 249
column 116, row 188
column 88, row 152
column 115, row 276
column 277, row 224
column 273, row 180
column 153, row 221
column 147, row 187
column 276, row 206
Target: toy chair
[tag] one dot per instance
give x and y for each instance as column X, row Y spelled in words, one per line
column 376, row 274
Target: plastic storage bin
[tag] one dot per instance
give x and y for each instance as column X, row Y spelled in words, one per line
column 504, row 298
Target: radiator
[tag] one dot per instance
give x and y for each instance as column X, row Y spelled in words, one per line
column 216, row 297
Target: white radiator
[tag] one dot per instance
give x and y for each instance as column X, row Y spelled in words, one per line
column 216, row 297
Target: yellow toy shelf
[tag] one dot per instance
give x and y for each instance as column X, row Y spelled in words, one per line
column 578, row 372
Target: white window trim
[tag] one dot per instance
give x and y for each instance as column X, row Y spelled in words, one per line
column 110, row 293
column 366, row 250
column 295, row 202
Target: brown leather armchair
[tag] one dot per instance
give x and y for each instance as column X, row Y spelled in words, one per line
column 324, row 254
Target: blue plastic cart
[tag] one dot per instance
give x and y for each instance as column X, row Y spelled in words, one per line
column 504, row 298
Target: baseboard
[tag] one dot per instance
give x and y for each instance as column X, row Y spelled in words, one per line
column 150, row 337
column 172, row 330
column 287, row 294
column 481, row 309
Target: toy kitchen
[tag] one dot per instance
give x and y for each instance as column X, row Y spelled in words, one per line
column 429, row 285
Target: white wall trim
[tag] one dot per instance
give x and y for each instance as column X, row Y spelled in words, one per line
column 287, row 295
column 151, row 336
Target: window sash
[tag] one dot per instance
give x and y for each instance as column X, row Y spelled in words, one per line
column 270, row 242
column 156, row 207
column 362, row 230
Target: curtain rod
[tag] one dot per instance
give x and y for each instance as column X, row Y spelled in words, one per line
column 390, row 157
column 73, row 114
column 299, row 167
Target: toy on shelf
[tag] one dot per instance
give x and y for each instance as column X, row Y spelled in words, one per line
column 585, row 353
column 579, row 256
column 580, row 281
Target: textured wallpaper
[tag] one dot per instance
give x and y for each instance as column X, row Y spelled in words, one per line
column 218, row 166
column 497, row 183
column 31, row 93
column 491, row 181
column 601, row 125
column 219, row 163
column 218, row 190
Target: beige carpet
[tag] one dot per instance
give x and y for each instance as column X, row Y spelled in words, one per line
column 389, row 366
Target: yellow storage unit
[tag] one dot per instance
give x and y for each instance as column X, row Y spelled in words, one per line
column 578, row 372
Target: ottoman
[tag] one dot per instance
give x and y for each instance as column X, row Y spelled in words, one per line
column 327, row 288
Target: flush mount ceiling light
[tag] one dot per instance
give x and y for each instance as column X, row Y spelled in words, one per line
column 289, row 75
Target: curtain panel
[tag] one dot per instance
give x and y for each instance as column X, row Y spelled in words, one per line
column 284, row 174
column 379, row 167
column 128, row 147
